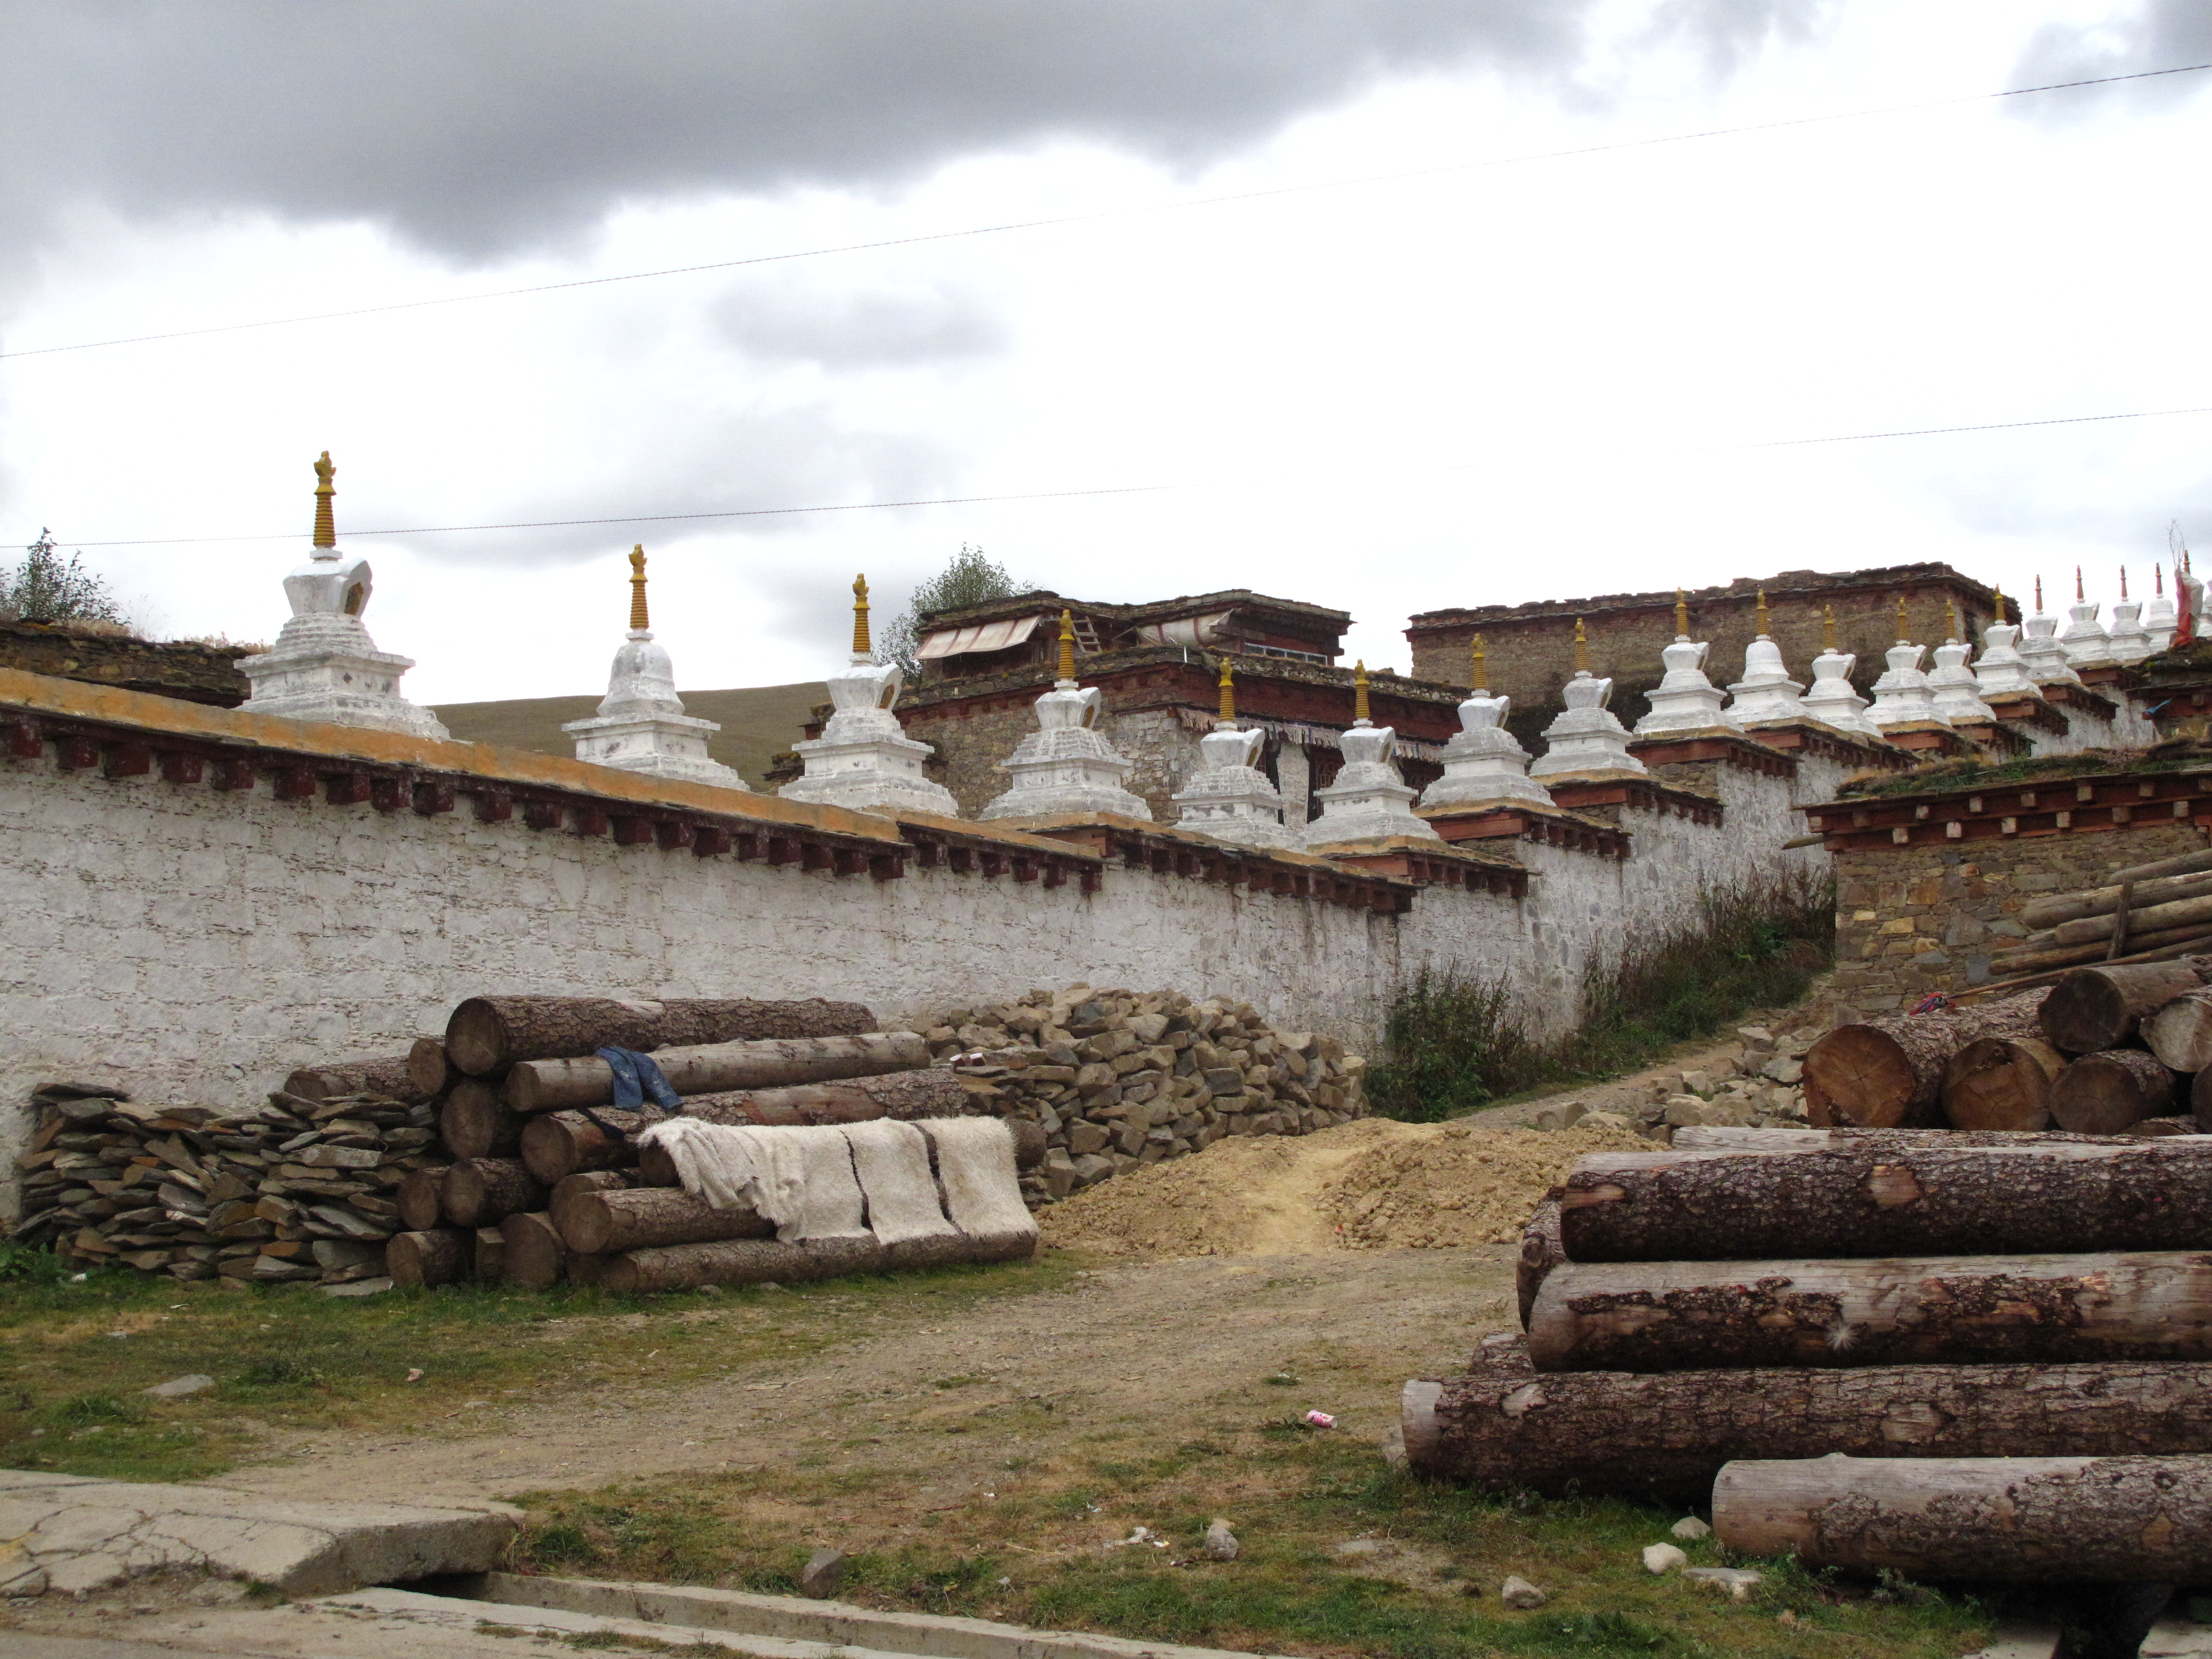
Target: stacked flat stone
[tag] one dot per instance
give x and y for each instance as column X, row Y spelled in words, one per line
column 641, row 725
column 1833, row 701
column 863, row 760
column 1902, row 697
column 1685, row 700
column 1585, row 738
column 1484, row 763
column 1119, row 1080
column 2001, row 672
column 324, row 667
column 1066, row 765
column 1954, row 689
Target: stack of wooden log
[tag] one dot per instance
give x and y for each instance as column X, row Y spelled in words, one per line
column 2145, row 910
column 1776, row 1294
column 2124, row 1048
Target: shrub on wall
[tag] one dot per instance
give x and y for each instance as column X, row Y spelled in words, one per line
column 1454, row 1043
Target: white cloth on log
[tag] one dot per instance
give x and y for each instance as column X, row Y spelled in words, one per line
column 831, row 1204
column 975, row 1162
column 799, row 1178
column 892, row 1160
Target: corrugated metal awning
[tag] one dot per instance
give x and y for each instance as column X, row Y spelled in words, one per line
column 982, row 636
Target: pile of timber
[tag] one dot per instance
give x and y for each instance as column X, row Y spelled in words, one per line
column 1776, row 1294
column 2141, row 910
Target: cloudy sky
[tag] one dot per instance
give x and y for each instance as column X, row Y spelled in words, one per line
column 1421, row 358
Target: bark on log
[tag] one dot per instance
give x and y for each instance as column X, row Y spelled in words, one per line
column 486, row 1035
column 1700, row 1137
column 417, row 1259
column 1959, row 1310
column 2180, row 864
column 590, row 1180
column 1662, row 1438
column 2161, row 1128
column 1719, row 1139
column 2105, row 901
column 391, row 1078
column 491, row 1255
column 654, row 1167
column 473, row 1124
column 420, row 1197
column 2166, row 946
column 427, row 1069
column 2103, row 1094
column 2040, row 1520
column 557, row 1145
column 552, row 1085
column 600, row 1223
column 2200, row 1100
column 1994, row 1083
column 2144, row 921
column 1864, row 1198
column 1888, row 1073
column 936, row 1092
column 2093, row 1009
column 481, row 1192
column 759, row 1261
column 2180, row 1032
column 1542, row 1249
column 535, row 1253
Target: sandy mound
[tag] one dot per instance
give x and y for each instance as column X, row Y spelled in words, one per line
column 1368, row 1185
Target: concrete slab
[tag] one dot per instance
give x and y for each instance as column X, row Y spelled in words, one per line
column 66, row 1533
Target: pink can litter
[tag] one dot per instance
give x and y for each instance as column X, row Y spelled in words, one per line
column 1320, row 1419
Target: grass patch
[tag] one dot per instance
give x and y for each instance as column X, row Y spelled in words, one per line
column 1456, row 1044
column 76, row 1351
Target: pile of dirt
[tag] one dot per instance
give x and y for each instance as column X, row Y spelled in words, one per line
column 1370, row 1185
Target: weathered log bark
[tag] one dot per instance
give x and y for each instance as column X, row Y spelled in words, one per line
column 391, row 1078
column 534, row 1252
column 556, row 1145
column 1697, row 1138
column 2161, row 1128
column 2103, row 1094
column 552, row 1085
column 427, row 1069
column 421, row 1199
column 590, row 1180
column 2080, row 1520
column 416, row 1260
column 486, row 1035
column 1542, row 1249
column 2144, row 921
column 936, row 1092
column 604, row 1222
column 2105, row 901
column 654, row 1166
column 1866, row 1199
column 2181, row 863
column 1662, row 1438
column 491, row 1255
column 480, row 1191
column 2180, row 1032
column 1994, row 1083
column 760, row 1261
column 1888, row 1073
column 2019, row 965
column 2093, row 1009
column 1673, row 1316
column 473, row 1124
column 1719, row 1139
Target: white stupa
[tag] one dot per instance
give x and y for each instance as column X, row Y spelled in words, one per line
column 1902, row 697
column 1833, row 701
column 324, row 666
column 1066, row 765
column 863, row 760
column 2001, row 672
column 1953, row 686
column 1585, row 737
column 2128, row 640
column 1229, row 797
column 1484, row 763
column 2084, row 637
column 1370, row 797
column 1685, row 700
column 1766, row 696
column 641, row 726
column 2040, row 649
column 2158, row 618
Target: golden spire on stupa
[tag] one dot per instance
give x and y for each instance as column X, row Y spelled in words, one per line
column 861, row 645
column 1582, row 648
column 638, row 621
column 1903, row 627
column 2039, row 596
column 1682, row 616
column 1481, row 658
column 1951, row 611
column 2080, row 597
column 1228, row 683
column 1827, row 627
column 1762, row 613
column 1359, row 716
column 1068, row 645
column 326, row 525
column 2123, row 581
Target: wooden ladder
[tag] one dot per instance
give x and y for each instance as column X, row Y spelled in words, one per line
column 1086, row 638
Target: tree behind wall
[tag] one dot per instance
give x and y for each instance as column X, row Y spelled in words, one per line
column 971, row 578
column 44, row 587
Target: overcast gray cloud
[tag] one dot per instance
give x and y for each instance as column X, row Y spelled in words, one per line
column 475, row 127
column 2152, row 34
column 782, row 320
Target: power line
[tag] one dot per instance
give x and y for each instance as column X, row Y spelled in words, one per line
column 1111, row 213
column 1070, row 495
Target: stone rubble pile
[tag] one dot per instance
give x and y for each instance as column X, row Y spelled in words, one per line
column 1756, row 1082
column 1118, row 1078
column 298, row 1192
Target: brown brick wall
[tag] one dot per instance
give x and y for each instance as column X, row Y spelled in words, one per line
column 1913, row 920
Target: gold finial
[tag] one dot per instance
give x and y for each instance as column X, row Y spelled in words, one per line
column 1951, row 611
column 1581, row 648
column 1068, row 645
column 2078, row 596
column 2039, row 596
column 326, row 523
column 1681, row 615
column 2123, row 581
column 1228, row 692
column 637, row 612
column 860, row 646
column 2157, row 575
column 1903, row 628
column 1359, row 692
column 1762, row 613
column 1481, row 665
column 1827, row 627
column 1997, row 602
